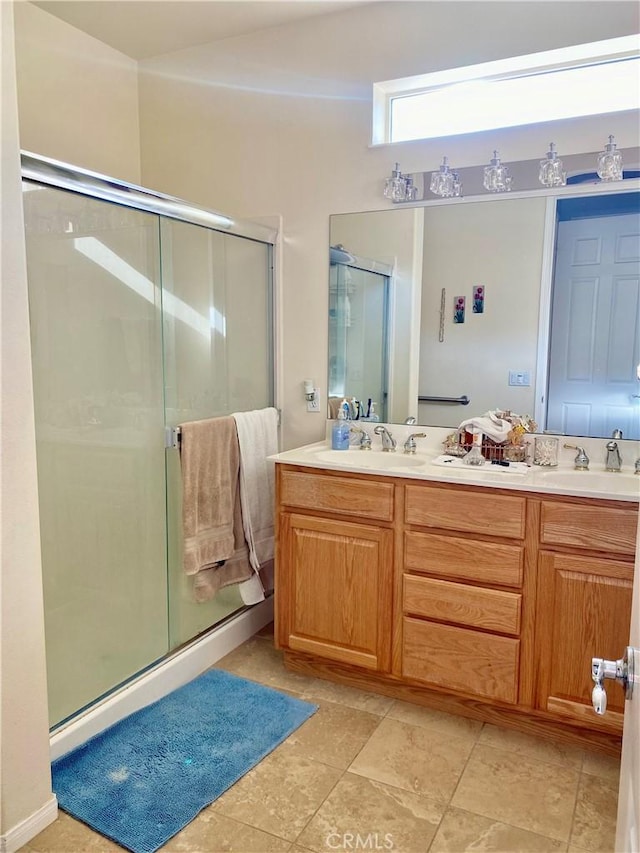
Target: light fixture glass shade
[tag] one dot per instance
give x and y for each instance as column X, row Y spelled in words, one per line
column 551, row 172
column 497, row 178
column 445, row 182
column 395, row 187
column 610, row 162
column 410, row 189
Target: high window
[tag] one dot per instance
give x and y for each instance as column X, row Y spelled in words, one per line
column 588, row 79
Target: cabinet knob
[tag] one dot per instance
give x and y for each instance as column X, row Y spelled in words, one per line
column 621, row 671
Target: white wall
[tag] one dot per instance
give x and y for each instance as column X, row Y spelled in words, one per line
column 77, row 97
column 25, row 783
column 280, row 122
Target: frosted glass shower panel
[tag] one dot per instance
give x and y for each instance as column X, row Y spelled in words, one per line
column 217, row 322
column 95, row 308
column 218, row 360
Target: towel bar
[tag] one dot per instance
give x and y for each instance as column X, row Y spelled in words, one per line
column 172, row 434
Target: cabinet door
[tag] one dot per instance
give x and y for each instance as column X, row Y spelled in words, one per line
column 584, row 607
column 334, row 590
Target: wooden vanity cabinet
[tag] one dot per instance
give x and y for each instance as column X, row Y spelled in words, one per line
column 485, row 602
column 335, row 567
column 585, row 579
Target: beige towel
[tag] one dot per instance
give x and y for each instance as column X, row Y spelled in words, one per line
column 209, row 458
column 234, row 570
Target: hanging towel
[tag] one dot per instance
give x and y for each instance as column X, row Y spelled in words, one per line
column 236, row 569
column 258, row 439
column 495, row 428
column 209, row 459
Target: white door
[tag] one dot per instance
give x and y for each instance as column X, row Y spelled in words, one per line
column 628, row 828
column 595, row 328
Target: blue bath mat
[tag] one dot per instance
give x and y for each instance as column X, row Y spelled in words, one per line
column 145, row 778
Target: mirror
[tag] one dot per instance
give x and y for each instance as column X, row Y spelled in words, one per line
column 475, row 313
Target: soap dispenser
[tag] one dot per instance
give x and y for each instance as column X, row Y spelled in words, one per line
column 340, row 431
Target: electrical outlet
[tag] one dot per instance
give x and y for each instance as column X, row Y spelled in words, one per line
column 314, row 405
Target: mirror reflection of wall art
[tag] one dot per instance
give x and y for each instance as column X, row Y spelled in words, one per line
column 478, row 299
column 458, row 309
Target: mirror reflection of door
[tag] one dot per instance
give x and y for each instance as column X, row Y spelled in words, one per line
column 358, row 336
column 595, row 324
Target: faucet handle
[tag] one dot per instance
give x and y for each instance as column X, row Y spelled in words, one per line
column 365, row 438
column 410, row 443
column 581, row 462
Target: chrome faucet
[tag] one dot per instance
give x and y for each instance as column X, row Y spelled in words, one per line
column 410, row 443
column 613, row 461
column 410, row 420
column 581, row 462
column 388, row 441
column 365, row 438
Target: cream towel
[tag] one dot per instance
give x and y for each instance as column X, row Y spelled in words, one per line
column 258, row 439
column 495, row 428
column 209, row 458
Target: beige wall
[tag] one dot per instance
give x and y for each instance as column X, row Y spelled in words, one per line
column 77, row 97
column 24, row 739
column 280, row 122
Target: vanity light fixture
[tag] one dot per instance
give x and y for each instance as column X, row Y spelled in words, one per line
column 445, row 182
column 497, row 178
column 610, row 162
column 551, row 172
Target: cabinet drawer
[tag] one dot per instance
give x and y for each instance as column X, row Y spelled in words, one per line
column 490, row 609
column 460, row 659
column 500, row 515
column 463, row 559
column 597, row 528
column 346, row 496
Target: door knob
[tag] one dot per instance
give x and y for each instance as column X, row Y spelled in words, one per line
column 617, row 670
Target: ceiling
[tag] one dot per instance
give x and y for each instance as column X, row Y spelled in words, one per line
column 145, row 28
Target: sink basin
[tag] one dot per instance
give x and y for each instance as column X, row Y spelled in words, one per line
column 593, row 481
column 369, row 459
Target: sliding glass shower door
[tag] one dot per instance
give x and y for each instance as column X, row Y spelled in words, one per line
column 139, row 322
column 96, row 329
column 218, row 360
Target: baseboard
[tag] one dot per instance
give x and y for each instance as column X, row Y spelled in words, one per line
column 27, row 829
column 169, row 674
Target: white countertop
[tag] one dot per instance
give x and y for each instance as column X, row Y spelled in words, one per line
column 562, row 480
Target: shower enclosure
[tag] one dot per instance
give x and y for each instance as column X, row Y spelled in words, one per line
column 145, row 313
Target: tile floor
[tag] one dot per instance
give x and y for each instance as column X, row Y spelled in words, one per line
column 371, row 773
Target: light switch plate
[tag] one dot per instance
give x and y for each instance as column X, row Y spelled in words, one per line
column 519, row 377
